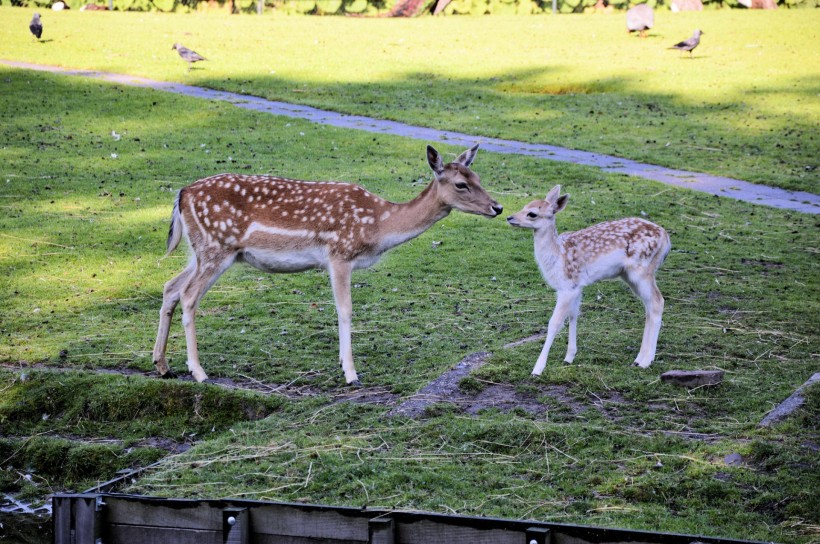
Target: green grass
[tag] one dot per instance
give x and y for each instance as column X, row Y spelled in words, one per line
column 82, row 236
column 746, row 106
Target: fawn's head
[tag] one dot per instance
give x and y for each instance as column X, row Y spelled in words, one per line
column 459, row 187
column 540, row 213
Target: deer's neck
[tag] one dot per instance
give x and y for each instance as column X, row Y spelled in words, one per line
column 405, row 221
column 548, row 246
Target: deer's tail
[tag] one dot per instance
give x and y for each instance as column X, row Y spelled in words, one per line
column 666, row 246
column 175, row 230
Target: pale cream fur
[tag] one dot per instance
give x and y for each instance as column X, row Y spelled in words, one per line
column 631, row 249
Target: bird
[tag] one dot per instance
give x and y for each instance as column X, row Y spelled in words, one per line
column 36, row 26
column 640, row 18
column 188, row 55
column 689, row 44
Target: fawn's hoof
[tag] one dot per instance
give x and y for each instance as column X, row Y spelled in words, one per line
column 170, row 375
column 355, row 384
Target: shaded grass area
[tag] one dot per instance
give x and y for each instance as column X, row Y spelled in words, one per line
column 81, row 241
column 744, row 107
column 73, row 430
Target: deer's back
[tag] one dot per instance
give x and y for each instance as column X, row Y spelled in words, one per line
column 251, row 212
column 604, row 250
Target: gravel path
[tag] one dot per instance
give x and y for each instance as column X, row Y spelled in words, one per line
column 716, row 185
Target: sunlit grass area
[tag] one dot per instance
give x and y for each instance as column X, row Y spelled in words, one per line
column 745, row 106
column 88, row 175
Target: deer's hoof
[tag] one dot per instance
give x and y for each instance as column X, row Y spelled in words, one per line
column 355, row 384
column 170, row 375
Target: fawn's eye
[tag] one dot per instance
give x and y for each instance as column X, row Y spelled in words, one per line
column 461, row 185
column 532, row 215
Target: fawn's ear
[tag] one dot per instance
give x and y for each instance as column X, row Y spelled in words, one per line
column 468, row 156
column 552, row 196
column 434, row 160
column 560, row 204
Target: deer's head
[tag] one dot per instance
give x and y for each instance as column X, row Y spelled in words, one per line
column 539, row 214
column 459, row 187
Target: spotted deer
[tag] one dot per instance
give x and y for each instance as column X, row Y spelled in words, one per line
column 285, row 225
column 632, row 249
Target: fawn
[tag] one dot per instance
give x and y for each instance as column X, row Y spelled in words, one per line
column 632, row 249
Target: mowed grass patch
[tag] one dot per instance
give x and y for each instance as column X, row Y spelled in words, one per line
column 83, row 288
column 745, row 106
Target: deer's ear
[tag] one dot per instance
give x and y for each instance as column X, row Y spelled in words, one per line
column 560, row 204
column 468, row 156
column 552, row 196
column 434, row 160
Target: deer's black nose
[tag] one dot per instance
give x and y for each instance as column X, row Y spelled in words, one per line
column 497, row 208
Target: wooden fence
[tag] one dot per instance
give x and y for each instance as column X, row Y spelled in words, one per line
column 114, row 518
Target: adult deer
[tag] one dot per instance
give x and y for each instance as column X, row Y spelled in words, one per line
column 632, row 249
column 284, row 225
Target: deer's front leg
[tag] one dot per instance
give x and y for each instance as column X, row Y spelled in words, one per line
column 572, row 345
column 340, row 282
column 563, row 305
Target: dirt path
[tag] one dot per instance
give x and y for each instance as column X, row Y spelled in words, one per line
column 715, row 185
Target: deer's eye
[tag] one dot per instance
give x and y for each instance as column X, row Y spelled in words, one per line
column 461, row 186
column 532, row 215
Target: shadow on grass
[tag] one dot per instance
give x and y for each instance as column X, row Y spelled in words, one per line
column 616, row 116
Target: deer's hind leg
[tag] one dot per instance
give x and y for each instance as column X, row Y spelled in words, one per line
column 647, row 290
column 203, row 276
column 170, row 299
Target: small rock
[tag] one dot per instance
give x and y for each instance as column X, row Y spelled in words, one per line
column 733, row 460
column 693, row 378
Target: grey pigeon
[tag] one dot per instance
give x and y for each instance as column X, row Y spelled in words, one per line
column 188, row 55
column 36, row 26
column 640, row 18
column 690, row 44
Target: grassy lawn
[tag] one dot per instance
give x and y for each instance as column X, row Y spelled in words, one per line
column 746, row 106
column 82, row 235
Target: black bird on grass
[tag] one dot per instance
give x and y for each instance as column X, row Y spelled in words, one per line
column 690, row 44
column 36, row 26
column 188, row 55
column 640, row 18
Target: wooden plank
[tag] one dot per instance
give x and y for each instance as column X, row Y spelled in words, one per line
column 278, row 539
column 424, row 531
column 61, row 514
column 310, row 522
column 235, row 526
column 150, row 512
column 129, row 534
column 381, row 531
column 538, row 535
column 84, row 512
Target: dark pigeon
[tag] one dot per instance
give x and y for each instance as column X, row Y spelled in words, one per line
column 690, row 44
column 36, row 26
column 640, row 18
column 188, row 55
